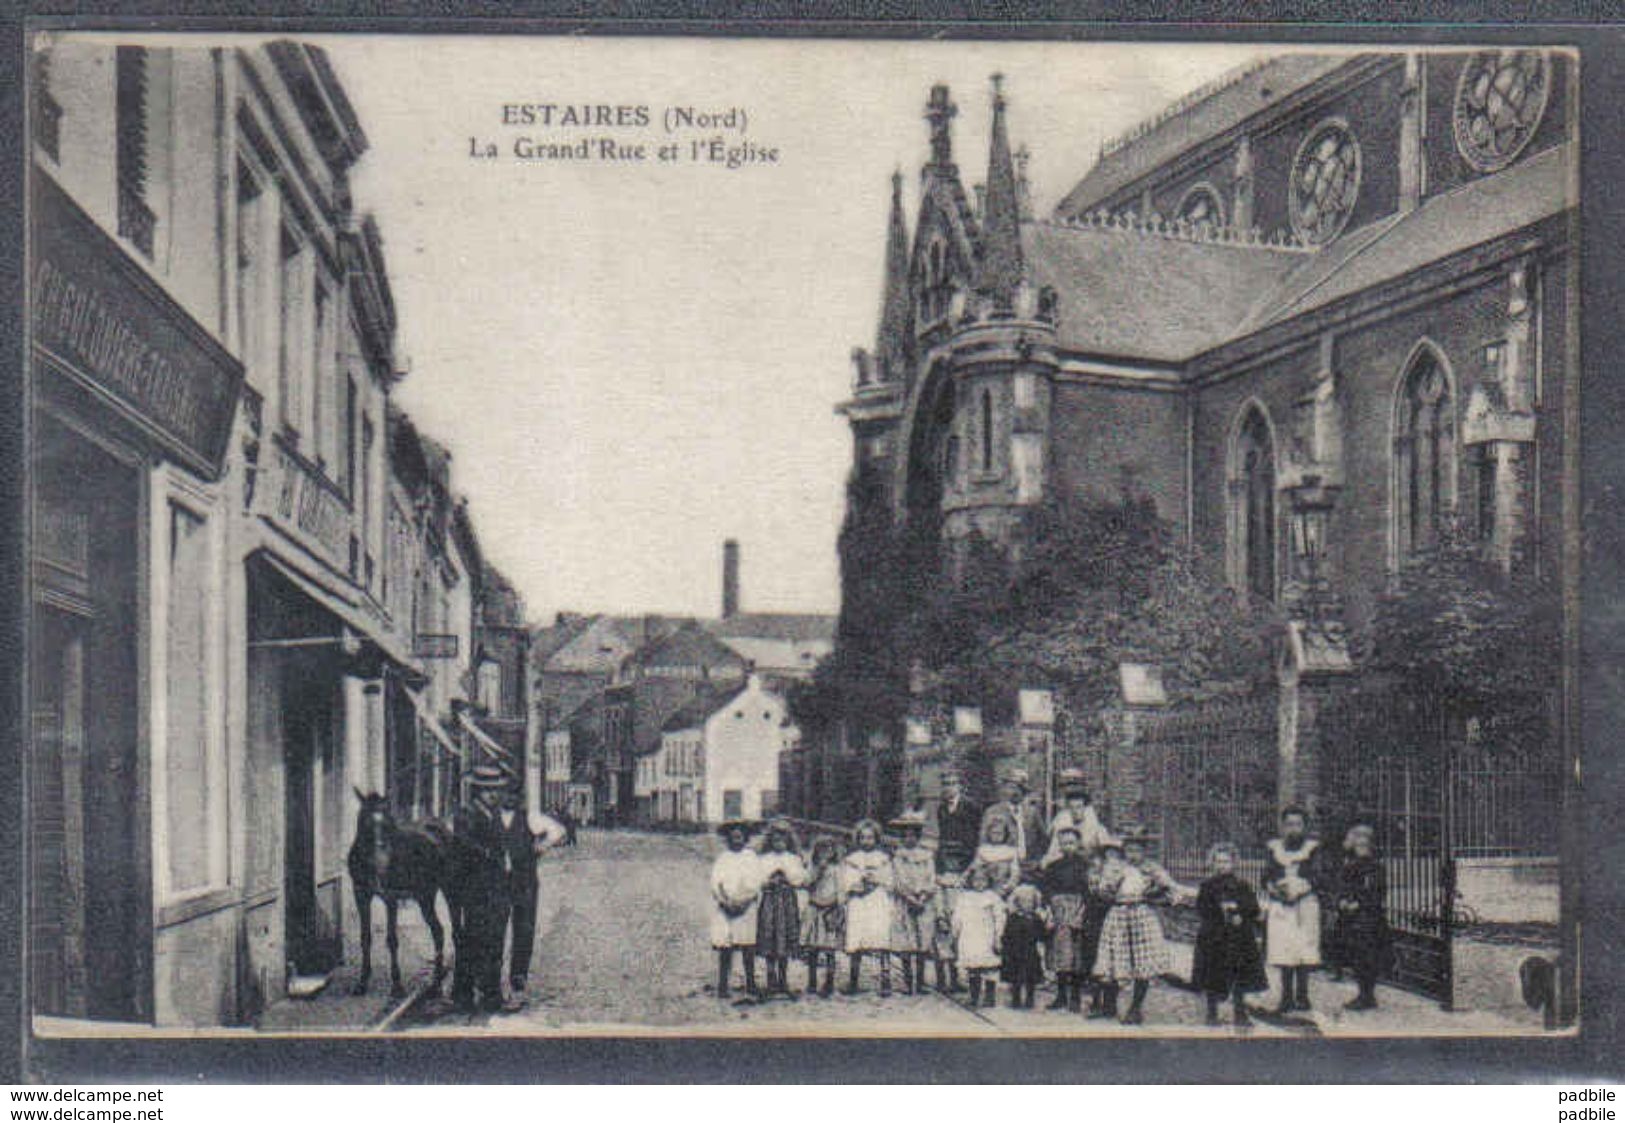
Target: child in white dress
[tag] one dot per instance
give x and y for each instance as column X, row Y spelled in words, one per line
column 866, row 888
column 736, row 884
column 978, row 923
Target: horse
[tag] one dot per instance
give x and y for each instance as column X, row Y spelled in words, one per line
column 394, row 863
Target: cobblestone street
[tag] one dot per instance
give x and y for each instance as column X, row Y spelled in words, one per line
column 622, row 946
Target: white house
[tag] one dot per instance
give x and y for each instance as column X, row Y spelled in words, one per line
column 672, row 779
column 719, row 757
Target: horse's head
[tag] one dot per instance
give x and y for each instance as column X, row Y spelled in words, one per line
column 373, row 816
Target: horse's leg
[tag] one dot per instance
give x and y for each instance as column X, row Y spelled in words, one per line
column 432, row 919
column 395, row 988
column 363, row 908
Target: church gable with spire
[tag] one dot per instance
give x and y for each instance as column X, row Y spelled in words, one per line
column 1267, row 256
column 1319, row 314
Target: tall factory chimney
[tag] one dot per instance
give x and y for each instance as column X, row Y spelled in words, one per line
column 730, row 578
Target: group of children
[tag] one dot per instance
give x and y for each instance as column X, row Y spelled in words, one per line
column 992, row 916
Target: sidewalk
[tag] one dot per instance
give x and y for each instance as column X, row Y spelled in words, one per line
column 1399, row 1013
column 335, row 1009
column 1172, row 1010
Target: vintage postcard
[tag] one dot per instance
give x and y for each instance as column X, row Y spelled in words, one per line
column 687, row 536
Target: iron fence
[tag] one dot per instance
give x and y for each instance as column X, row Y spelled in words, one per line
column 1212, row 777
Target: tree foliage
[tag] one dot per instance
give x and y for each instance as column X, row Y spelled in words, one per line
column 1458, row 626
column 1089, row 586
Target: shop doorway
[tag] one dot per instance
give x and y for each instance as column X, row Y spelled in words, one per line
column 309, row 757
column 89, row 939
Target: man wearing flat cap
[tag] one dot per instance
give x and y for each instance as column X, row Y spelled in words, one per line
column 484, row 870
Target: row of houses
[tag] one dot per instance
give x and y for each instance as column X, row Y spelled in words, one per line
column 255, row 590
column 669, row 719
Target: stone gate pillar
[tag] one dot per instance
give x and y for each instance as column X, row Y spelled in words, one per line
column 1314, row 667
column 1131, row 773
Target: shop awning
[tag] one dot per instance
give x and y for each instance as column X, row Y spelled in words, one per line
column 350, row 614
column 495, row 751
column 432, row 724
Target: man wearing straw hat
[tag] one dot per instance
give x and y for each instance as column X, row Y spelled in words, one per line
column 525, row 837
column 484, row 869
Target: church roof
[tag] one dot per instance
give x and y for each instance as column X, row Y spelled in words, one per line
column 1137, row 294
column 1479, row 211
column 1193, row 121
column 545, row 641
column 654, row 701
column 1133, row 293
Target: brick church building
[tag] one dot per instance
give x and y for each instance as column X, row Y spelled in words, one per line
column 1315, row 311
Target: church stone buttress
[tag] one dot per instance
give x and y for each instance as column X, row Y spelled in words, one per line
column 1000, row 355
column 958, row 388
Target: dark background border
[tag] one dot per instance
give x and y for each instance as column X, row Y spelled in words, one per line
column 1592, row 1055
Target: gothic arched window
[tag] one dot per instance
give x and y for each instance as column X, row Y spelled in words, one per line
column 1201, row 209
column 1252, row 505
column 1424, row 453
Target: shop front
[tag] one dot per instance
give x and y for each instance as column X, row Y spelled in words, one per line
column 131, row 406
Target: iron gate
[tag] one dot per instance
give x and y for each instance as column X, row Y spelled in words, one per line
column 1388, row 765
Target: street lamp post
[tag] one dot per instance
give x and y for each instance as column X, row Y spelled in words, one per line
column 1312, row 502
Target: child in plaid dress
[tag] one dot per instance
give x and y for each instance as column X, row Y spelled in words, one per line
column 1131, row 942
column 823, row 927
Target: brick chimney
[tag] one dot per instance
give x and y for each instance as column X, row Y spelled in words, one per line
column 730, row 579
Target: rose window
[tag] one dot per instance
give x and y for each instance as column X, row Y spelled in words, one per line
column 1499, row 102
column 1325, row 182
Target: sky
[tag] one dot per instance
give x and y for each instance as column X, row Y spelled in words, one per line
column 632, row 362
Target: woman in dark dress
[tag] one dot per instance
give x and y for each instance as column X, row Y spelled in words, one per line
column 1361, row 932
column 1227, row 962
